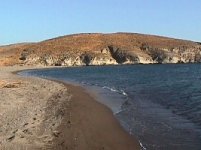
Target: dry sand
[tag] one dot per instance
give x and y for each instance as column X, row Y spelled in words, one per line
column 41, row 114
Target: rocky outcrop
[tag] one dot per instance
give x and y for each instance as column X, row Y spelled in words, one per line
column 181, row 54
column 123, row 56
column 113, row 55
column 102, row 49
column 84, row 59
column 108, row 56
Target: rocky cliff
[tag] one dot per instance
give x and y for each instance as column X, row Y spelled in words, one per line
column 102, row 49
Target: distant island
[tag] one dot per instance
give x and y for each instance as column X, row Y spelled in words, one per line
column 101, row 49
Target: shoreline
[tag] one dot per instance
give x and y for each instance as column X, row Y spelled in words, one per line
column 93, row 116
column 84, row 123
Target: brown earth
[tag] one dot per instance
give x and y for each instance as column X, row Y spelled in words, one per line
column 120, row 47
column 9, row 54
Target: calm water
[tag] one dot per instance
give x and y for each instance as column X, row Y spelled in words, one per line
column 160, row 104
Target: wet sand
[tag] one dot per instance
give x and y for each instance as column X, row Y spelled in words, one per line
column 41, row 114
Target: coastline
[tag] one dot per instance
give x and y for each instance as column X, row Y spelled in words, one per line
column 69, row 118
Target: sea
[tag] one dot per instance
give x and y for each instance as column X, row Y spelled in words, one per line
column 159, row 104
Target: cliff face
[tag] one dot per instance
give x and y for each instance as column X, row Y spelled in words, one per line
column 103, row 49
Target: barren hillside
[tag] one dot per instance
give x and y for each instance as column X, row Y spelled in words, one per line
column 102, row 49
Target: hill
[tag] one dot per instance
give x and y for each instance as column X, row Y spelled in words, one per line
column 102, row 49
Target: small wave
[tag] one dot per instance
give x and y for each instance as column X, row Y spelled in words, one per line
column 142, row 147
column 117, row 112
column 124, row 93
column 115, row 90
column 111, row 89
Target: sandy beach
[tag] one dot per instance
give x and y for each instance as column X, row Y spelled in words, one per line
column 42, row 114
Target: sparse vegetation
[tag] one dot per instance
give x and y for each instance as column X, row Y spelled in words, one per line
column 84, row 48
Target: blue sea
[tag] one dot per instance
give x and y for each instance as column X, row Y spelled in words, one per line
column 159, row 104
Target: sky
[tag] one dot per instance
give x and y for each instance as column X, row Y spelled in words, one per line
column 37, row 20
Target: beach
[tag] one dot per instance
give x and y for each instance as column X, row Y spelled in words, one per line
column 42, row 114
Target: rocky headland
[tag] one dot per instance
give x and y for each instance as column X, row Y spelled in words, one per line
column 102, row 49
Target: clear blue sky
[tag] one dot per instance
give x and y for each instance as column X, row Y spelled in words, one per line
column 36, row 20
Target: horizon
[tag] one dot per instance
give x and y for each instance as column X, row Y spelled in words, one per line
column 37, row 21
